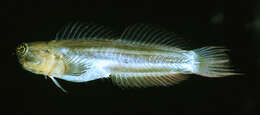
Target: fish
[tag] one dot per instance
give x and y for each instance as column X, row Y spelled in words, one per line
column 141, row 56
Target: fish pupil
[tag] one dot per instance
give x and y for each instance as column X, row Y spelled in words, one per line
column 21, row 49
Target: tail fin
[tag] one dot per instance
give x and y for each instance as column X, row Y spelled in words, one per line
column 213, row 62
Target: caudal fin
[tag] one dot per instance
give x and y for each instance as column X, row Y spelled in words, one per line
column 213, row 62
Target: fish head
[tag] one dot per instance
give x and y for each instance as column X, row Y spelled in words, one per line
column 36, row 57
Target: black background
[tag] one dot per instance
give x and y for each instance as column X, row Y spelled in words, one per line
column 32, row 20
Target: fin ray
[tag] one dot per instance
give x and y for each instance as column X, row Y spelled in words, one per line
column 75, row 65
column 148, row 80
column 57, row 84
column 213, row 62
column 82, row 31
column 149, row 36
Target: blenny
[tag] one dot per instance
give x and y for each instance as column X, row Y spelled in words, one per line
column 141, row 56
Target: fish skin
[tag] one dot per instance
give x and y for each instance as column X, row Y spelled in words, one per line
column 125, row 57
column 128, row 63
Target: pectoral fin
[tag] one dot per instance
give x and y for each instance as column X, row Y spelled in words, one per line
column 80, row 69
column 76, row 65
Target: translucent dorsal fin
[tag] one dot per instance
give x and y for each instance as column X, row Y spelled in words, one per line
column 150, row 36
column 83, row 31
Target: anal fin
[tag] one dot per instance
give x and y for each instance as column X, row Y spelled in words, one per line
column 80, row 69
column 148, row 80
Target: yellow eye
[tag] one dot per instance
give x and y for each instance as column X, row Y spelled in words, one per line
column 22, row 49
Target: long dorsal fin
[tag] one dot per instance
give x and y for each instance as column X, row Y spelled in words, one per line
column 137, row 34
column 84, row 31
column 148, row 81
column 149, row 36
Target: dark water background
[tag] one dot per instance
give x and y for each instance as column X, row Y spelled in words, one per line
column 214, row 22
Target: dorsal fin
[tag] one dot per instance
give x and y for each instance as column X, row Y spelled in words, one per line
column 83, row 31
column 124, row 80
column 149, row 36
column 137, row 34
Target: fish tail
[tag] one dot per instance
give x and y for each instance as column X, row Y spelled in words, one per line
column 213, row 62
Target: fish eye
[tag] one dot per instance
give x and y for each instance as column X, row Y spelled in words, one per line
column 22, row 49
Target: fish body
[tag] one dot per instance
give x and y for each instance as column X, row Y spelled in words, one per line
column 140, row 57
